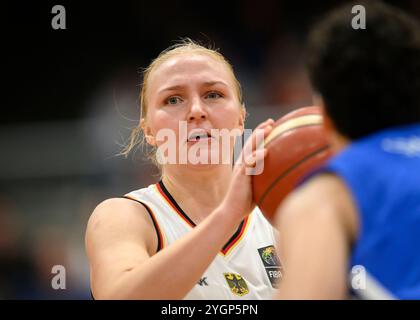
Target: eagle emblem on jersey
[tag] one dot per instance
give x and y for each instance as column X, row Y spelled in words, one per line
column 237, row 284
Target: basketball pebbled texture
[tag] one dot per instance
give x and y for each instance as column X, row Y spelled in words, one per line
column 297, row 146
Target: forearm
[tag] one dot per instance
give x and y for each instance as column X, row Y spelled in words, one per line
column 173, row 272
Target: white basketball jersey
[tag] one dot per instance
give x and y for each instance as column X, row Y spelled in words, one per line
column 246, row 268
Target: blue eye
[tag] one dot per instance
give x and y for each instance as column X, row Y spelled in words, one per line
column 173, row 100
column 213, row 95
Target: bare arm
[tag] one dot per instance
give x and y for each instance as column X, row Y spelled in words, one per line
column 120, row 243
column 317, row 224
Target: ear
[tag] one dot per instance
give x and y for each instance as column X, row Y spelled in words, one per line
column 147, row 131
column 337, row 140
column 319, row 102
column 242, row 118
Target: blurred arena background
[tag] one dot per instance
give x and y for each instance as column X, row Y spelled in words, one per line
column 71, row 96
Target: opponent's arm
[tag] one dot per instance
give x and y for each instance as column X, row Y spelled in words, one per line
column 317, row 224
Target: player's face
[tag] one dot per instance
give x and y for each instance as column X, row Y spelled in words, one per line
column 197, row 90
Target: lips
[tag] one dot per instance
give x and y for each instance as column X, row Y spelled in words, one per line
column 198, row 134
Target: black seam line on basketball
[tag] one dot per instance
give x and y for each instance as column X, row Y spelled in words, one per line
column 162, row 186
column 285, row 173
column 149, row 211
column 294, row 128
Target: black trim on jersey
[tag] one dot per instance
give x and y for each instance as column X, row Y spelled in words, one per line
column 162, row 186
column 238, row 231
column 149, row 211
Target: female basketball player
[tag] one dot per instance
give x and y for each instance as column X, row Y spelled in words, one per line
column 195, row 234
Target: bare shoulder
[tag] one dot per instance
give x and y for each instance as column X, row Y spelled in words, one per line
column 118, row 219
column 325, row 196
column 120, row 235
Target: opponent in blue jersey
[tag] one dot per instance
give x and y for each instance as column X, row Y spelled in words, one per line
column 360, row 214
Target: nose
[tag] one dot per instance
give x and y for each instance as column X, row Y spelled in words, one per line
column 197, row 110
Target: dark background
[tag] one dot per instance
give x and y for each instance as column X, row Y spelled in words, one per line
column 50, row 74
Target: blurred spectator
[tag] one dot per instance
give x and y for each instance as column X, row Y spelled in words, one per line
column 51, row 247
column 16, row 267
column 286, row 82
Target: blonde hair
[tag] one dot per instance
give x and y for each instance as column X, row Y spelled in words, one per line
column 183, row 46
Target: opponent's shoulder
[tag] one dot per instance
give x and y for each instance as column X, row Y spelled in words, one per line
column 325, row 196
column 322, row 190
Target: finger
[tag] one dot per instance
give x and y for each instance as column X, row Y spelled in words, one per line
column 266, row 123
column 255, row 165
column 261, row 126
column 255, row 158
column 257, row 138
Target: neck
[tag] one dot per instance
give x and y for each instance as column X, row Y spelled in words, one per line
column 201, row 188
column 339, row 142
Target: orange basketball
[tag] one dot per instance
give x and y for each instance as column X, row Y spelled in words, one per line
column 297, row 145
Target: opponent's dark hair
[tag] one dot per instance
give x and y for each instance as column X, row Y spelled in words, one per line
column 369, row 78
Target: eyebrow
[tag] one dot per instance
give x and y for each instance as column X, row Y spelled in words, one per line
column 212, row 83
column 207, row 84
